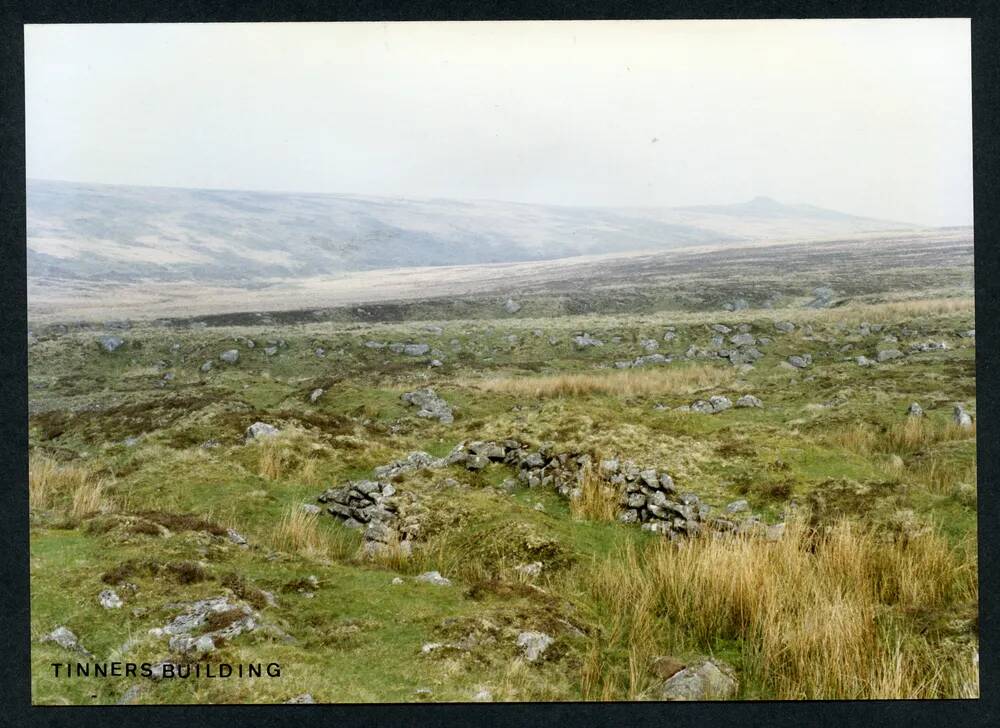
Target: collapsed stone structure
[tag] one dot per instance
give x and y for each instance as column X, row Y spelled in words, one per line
column 647, row 497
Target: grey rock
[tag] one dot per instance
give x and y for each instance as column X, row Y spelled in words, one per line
column 511, row 306
column 315, row 394
column 109, row 599
column 430, row 404
column 533, row 644
column 585, row 340
column 702, row 681
column 230, row 356
column 311, row 508
column 915, row 410
column 207, row 366
column 260, row 430
column 303, row 699
column 888, row 355
column 738, row 506
column 270, row 350
column 863, row 361
column 961, row 417
column 130, row 696
column 433, row 577
column 111, row 343
column 416, row 349
column 742, row 340
column 748, row 400
column 65, row 638
column 800, row 362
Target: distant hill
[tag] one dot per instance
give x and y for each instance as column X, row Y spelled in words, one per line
column 122, row 233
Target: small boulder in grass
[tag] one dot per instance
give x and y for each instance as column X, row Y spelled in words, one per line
column 259, row 430
column 433, row 577
column 533, row 644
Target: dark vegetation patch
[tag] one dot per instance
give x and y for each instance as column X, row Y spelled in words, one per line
column 183, row 522
column 245, row 590
column 183, row 572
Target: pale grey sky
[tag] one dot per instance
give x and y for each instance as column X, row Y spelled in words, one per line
column 871, row 117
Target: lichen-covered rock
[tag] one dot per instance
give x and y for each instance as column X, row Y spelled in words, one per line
column 533, row 644
column 260, row 430
column 111, row 344
column 430, row 404
column 706, row 680
column 961, row 417
column 748, row 400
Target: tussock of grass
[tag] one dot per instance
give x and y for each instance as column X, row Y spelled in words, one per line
column 71, row 487
column 660, row 381
column 272, row 458
column 597, row 500
column 907, row 436
column 298, row 532
column 818, row 614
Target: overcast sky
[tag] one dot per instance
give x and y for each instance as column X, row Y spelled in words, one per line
column 868, row 117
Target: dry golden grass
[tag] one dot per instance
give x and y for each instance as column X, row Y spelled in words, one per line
column 272, row 458
column 68, row 485
column 598, row 501
column 298, row 532
column 660, row 381
column 909, row 435
column 819, row 615
column 892, row 311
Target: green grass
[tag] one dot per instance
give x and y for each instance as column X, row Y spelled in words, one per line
column 358, row 638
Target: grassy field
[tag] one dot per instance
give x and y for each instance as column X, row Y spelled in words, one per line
column 138, row 466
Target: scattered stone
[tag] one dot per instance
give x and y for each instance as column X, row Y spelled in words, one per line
column 650, row 345
column 315, row 394
column 304, row 699
column 109, row 599
column 533, row 644
column 531, row 570
column 396, row 581
column 259, row 430
column 715, row 404
column 748, row 400
column 585, row 340
column 130, row 696
column 311, row 508
column 823, row 298
column 320, row 352
column 511, row 306
column 742, row 340
column 433, row 577
column 230, row 356
column 416, row 349
column 207, row 366
column 703, row 681
column 482, row 696
column 65, row 638
column 800, row 362
column 888, row 355
column 236, row 537
column 436, row 363
column 915, row 410
column 111, row 343
column 430, row 404
column 738, row 506
column 863, row 361
column 961, row 417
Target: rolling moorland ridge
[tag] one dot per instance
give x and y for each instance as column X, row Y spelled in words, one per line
column 444, row 451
